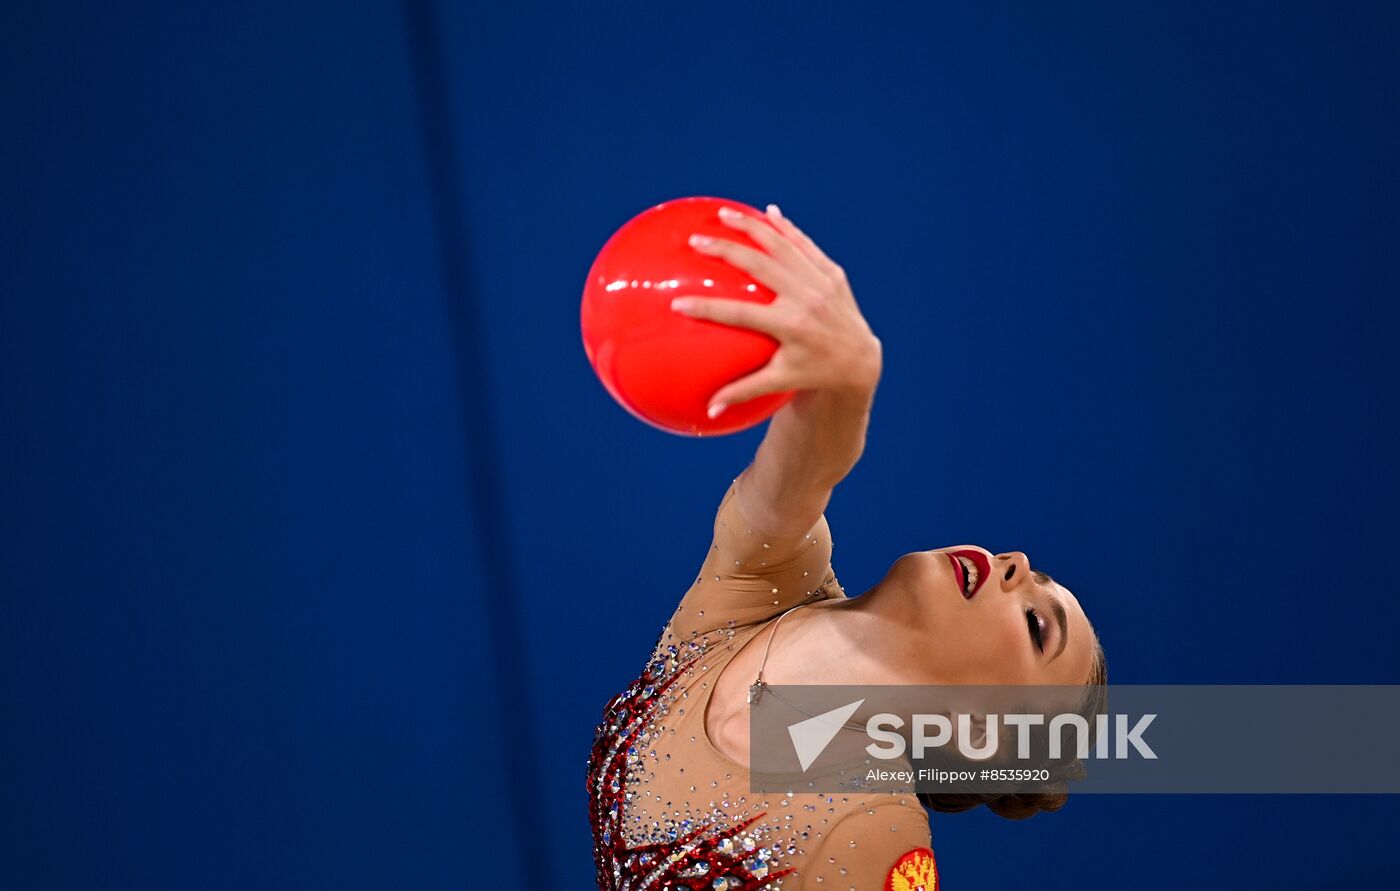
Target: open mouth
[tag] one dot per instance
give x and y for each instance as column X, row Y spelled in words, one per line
column 971, row 568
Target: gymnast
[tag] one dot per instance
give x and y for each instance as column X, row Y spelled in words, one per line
column 669, row 784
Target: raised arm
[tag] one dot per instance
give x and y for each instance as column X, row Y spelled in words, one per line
column 826, row 352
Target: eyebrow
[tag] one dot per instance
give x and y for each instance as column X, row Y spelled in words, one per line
column 1058, row 608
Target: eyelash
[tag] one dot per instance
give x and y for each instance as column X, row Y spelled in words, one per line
column 1037, row 632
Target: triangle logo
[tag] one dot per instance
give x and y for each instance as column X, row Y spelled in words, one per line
column 811, row 737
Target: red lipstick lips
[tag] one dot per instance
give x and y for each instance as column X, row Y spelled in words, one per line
column 982, row 569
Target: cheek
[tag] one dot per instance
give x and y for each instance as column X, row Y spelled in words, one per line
column 1014, row 640
column 986, row 640
column 1006, row 641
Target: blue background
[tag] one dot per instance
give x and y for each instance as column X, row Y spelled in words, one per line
column 323, row 547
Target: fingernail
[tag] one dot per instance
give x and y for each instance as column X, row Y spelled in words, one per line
column 775, row 210
column 682, row 304
column 716, row 409
column 699, row 240
column 729, row 213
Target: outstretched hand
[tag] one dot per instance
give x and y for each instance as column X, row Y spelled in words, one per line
column 824, row 343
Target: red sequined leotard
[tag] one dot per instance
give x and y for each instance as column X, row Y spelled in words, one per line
column 670, row 811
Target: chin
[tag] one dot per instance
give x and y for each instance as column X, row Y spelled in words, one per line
column 925, row 571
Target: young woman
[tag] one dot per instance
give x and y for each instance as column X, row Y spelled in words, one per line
column 668, row 775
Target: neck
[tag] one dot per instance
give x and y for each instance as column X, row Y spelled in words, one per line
column 877, row 638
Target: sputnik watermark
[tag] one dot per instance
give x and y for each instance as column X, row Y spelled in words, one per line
column 1172, row 739
column 975, row 737
column 978, row 738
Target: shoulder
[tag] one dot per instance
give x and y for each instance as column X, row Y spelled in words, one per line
column 877, row 845
column 749, row 576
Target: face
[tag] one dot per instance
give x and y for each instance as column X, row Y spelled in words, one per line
column 994, row 619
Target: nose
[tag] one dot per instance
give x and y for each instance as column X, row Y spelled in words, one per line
column 1013, row 569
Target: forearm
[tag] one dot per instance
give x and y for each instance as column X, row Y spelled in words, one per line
column 826, row 353
column 810, row 446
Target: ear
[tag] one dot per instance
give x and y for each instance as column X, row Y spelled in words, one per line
column 979, row 738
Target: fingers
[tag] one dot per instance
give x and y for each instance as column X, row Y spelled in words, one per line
column 766, row 380
column 778, row 246
column 740, row 313
column 803, row 242
column 764, row 269
column 764, row 317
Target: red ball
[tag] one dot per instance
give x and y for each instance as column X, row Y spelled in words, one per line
column 660, row 365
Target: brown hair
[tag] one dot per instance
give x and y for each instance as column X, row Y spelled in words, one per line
column 1021, row 806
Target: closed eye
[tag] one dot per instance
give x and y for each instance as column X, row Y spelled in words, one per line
column 1036, row 626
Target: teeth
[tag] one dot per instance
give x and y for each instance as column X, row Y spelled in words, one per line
column 970, row 571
